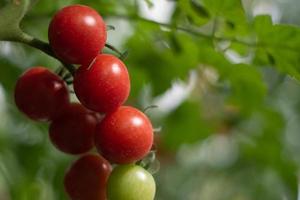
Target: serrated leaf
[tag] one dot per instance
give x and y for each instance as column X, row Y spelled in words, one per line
column 195, row 12
column 278, row 46
column 229, row 15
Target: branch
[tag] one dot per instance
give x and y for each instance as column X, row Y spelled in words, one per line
column 170, row 26
column 253, row 44
column 40, row 45
column 10, row 17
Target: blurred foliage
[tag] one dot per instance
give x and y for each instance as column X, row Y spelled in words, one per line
column 234, row 136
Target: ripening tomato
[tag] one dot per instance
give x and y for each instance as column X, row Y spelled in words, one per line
column 130, row 182
column 40, row 94
column 104, row 85
column 87, row 178
column 124, row 136
column 73, row 131
column 77, row 33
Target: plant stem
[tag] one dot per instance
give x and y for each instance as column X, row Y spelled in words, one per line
column 111, row 47
column 40, row 45
column 192, row 31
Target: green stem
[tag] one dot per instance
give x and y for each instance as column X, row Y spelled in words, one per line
column 35, row 43
column 40, row 45
column 189, row 30
column 111, row 47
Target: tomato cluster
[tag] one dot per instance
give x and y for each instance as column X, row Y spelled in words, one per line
column 121, row 134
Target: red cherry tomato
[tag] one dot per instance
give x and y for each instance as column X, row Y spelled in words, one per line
column 104, row 85
column 73, row 131
column 77, row 34
column 124, row 136
column 87, row 178
column 39, row 94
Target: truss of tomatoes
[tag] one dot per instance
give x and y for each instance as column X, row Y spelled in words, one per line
column 121, row 134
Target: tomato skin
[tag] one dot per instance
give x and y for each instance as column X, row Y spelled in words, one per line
column 73, row 131
column 77, row 33
column 87, row 178
column 39, row 93
column 130, row 182
column 103, row 86
column 124, row 136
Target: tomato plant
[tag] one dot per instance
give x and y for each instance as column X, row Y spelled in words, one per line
column 223, row 80
column 77, row 33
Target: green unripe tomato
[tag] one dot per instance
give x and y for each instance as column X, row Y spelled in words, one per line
column 130, row 182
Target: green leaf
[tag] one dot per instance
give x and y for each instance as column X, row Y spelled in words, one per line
column 229, row 17
column 8, row 75
column 263, row 26
column 185, row 126
column 246, row 85
column 241, row 49
column 195, row 11
column 278, row 46
column 159, row 57
column 225, row 8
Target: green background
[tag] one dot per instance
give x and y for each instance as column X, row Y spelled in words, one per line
column 226, row 81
